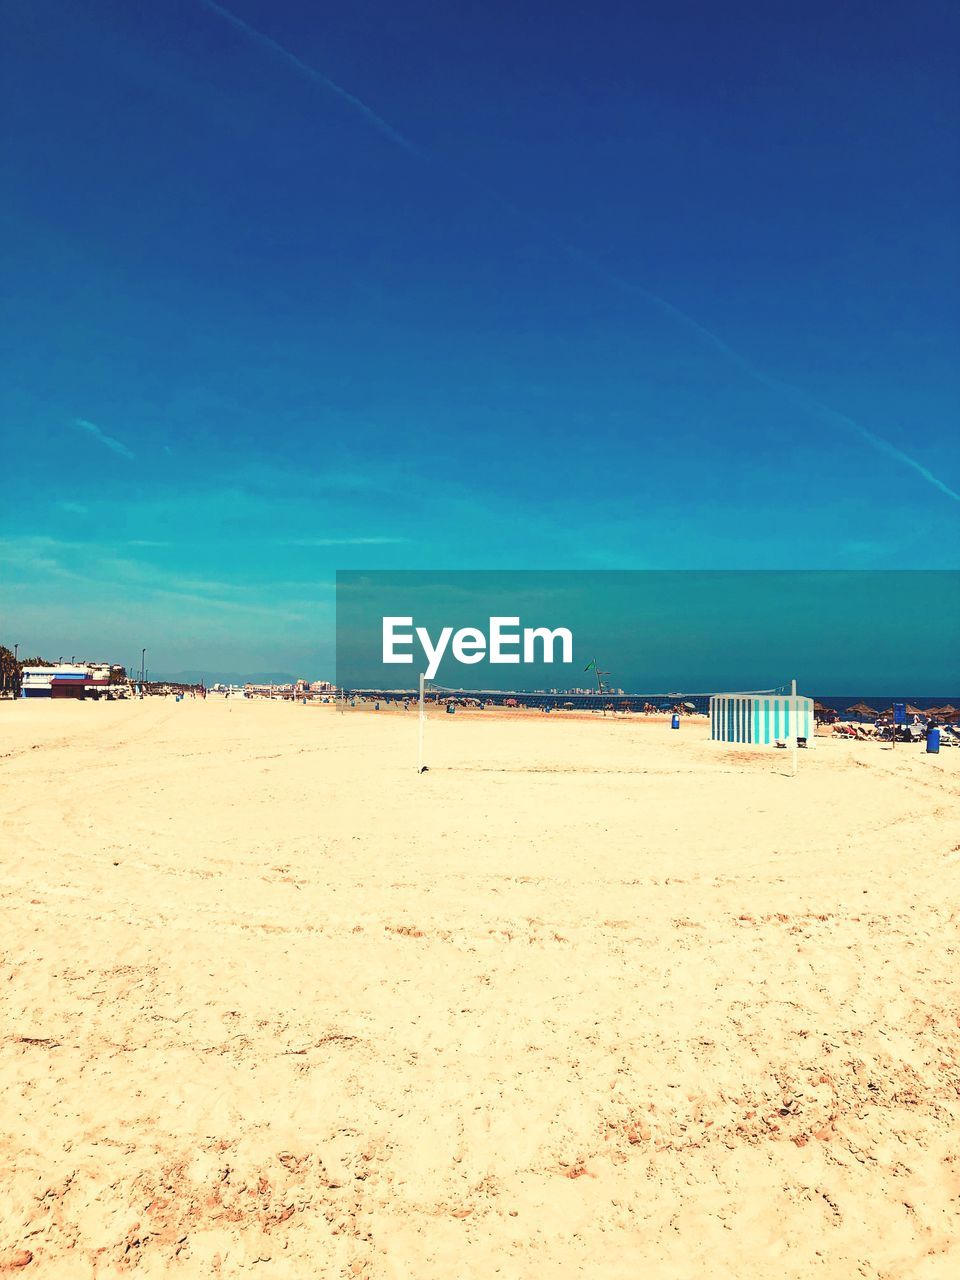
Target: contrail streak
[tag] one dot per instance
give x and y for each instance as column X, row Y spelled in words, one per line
column 815, row 406
column 884, row 446
column 707, row 335
column 312, row 73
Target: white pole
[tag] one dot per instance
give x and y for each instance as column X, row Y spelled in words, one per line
column 420, row 730
column 796, row 726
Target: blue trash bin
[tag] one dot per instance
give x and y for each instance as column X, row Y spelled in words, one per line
column 933, row 741
column 675, row 722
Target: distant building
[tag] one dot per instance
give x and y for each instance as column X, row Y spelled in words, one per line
column 268, row 691
column 64, row 680
column 73, row 680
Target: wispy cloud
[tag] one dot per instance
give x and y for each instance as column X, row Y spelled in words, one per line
column 338, row 542
column 39, row 559
column 824, row 412
column 109, row 442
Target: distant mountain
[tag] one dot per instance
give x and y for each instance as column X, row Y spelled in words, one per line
column 209, row 677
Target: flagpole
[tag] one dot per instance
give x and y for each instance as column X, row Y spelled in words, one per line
column 420, row 730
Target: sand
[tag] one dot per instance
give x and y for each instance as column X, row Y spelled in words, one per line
column 588, row 998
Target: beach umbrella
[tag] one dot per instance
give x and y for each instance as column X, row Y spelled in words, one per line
column 861, row 709
column 691, row 706
column 947, row 712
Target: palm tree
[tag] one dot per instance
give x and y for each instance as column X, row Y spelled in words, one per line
column 9, row 671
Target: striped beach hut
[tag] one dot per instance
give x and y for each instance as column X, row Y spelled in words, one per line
column 760, row 718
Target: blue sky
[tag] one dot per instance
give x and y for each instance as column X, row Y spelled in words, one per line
column 526, row 285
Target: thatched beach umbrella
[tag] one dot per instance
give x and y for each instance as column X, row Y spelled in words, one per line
column 946, row 712
column 861, row 710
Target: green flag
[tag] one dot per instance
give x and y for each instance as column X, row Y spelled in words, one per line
column 592, row 663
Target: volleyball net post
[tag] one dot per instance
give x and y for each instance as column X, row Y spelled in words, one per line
column 421, row 767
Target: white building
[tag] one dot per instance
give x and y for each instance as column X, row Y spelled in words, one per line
column 72, row 680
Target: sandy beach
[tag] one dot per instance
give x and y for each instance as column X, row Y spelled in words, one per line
column 588, row 998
